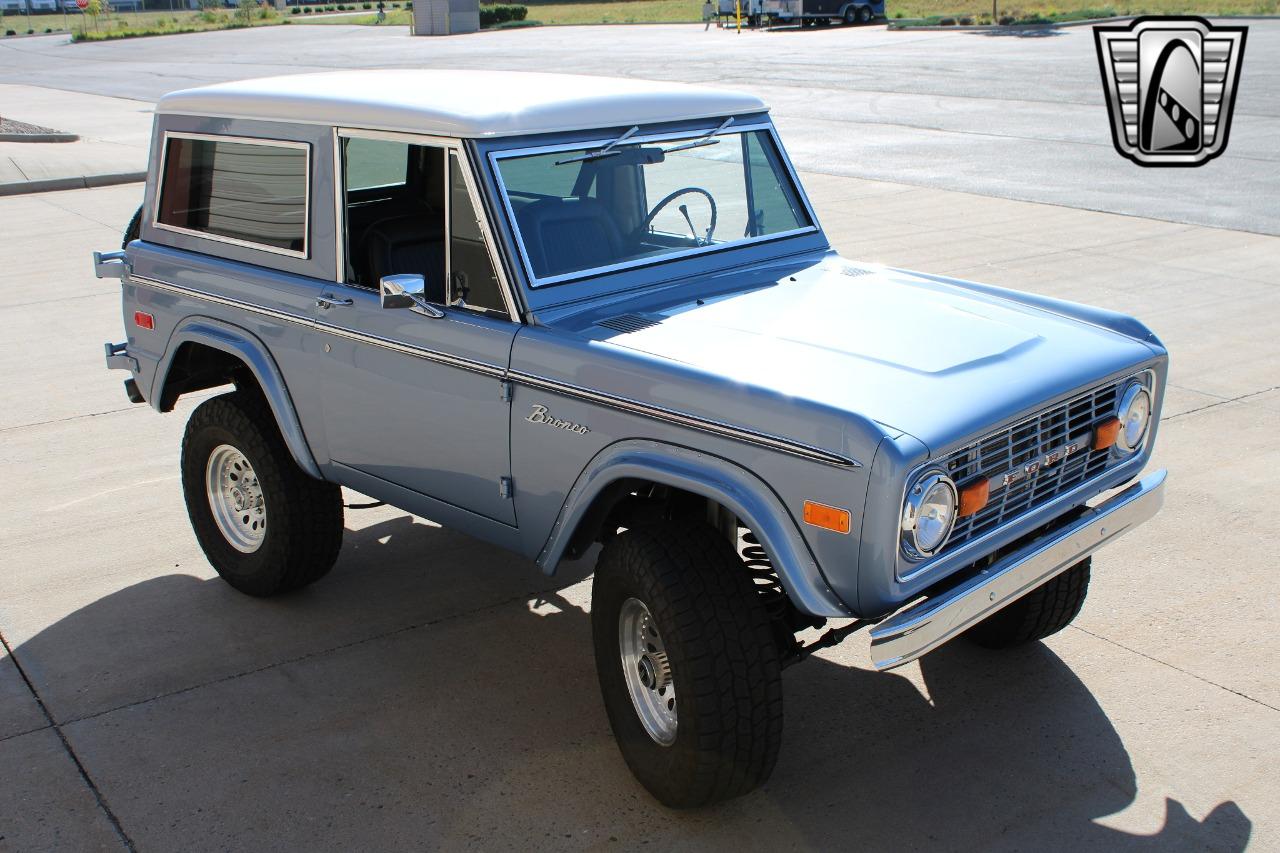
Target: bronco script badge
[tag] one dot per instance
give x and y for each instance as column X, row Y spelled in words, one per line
column 1170, row 85
column 540, row 415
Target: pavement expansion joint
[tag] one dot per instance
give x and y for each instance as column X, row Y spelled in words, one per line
column 1223, row 402
column 70, row 751
column 69, row 418
column 1176, row 668
column 524, row 596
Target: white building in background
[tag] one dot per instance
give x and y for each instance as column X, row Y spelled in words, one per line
column 445, row 17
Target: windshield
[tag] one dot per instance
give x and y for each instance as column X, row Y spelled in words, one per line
column 615, row 202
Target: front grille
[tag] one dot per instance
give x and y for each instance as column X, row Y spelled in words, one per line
column 1014, row 447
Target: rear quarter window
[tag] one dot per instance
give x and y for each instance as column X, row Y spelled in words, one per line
column 242, row 191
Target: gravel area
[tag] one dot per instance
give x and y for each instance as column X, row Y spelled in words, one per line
column 8, row 125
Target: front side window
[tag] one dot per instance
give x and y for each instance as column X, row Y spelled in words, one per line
column 591, row 209
column 473, row 282
column 408, row 211
column 248, row 192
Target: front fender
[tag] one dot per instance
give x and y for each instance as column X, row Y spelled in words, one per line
column 240, row 343
column 743, row 493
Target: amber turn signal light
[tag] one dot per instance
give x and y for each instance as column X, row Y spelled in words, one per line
column 826, row 517
column 973, row 497
column 1106, row 433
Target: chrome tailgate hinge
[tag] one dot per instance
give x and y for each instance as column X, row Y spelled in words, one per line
column 118, row 357
column 111, row 264
column 506, row 488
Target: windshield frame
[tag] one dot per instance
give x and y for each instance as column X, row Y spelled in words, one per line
column 597, row 141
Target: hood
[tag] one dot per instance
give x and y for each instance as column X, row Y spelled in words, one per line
column 935, row 360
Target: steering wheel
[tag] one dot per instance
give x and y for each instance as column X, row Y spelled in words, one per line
column 657, row 208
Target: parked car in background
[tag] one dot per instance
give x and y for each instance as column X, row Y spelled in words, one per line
column 554, row 312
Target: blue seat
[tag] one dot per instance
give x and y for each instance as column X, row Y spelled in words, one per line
column 566, row 235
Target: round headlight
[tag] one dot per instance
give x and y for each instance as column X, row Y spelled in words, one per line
column 1135, row 415
column 929, row 514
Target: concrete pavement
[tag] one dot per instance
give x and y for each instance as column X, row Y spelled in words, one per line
column 112, row 148
column 435, row 692
column 1005, row 115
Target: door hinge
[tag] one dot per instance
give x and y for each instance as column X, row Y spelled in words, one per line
column 505, row 384
column 506, row 488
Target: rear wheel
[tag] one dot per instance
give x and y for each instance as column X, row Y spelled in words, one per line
column 850, row 15
column 1044, row 611
column 265, row 525
column 688, row 665
column 864, row 14
column 133, row 230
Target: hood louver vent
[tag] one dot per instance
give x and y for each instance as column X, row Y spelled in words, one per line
column 630, row 322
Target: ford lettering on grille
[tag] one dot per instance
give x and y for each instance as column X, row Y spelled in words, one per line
column 1032, row 462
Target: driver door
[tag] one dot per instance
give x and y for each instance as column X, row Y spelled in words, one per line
column 412, row 400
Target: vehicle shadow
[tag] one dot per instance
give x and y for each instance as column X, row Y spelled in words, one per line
column 481, row 725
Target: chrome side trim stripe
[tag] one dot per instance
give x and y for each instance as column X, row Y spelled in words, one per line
column 635, row 407
column 156, row 284
column 328, row 328
column 416, row 352
column 773, row 442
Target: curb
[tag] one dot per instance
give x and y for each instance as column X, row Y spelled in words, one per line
column 83, row 182
column 38, row 137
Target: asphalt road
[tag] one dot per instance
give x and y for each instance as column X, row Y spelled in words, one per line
column 1016, row 116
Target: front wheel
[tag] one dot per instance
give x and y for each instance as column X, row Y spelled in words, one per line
column 265, row 525
column 688, row 666
column 1044, row 611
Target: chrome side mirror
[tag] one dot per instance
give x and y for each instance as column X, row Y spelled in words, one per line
column 407, row 291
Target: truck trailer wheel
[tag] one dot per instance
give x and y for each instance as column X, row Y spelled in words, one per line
column 1044, row 611
column 687, row 662
column 265, row 525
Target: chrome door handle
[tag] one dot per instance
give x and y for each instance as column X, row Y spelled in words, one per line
column 328, row 300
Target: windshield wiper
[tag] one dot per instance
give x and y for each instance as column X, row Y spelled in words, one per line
column 709, row 139
column 606, row 151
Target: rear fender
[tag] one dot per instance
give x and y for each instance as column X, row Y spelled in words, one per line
column 735, row 488
column 243, row 345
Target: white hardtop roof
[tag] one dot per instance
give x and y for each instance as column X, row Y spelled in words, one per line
column 459, row 103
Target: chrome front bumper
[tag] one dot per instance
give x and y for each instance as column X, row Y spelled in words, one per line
column 923, row 627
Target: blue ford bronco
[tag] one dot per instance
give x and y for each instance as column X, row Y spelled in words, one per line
column 555, row 311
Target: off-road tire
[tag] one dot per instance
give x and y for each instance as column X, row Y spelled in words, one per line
column 304, row 515
column 724, row 662
column 133, row 230
column 1044, row 611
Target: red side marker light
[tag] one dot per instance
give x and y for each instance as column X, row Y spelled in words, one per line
column 143, row 320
